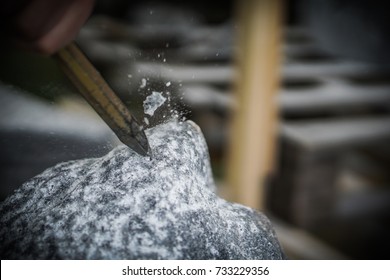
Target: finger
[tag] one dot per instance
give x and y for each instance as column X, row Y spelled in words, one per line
column 62, row 27
column 38, row 17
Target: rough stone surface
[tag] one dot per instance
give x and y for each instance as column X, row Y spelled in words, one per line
column 124, row 206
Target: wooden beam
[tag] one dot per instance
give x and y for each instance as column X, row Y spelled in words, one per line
column 337, row 134
column 251, row 153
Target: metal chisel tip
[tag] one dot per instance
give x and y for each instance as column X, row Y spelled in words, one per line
column 136, row 138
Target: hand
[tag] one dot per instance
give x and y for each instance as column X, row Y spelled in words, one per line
column 45, row 26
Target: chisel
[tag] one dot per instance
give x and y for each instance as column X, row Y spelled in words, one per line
column 102, row 98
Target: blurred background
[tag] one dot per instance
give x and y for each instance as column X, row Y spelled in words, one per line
column 293, row 98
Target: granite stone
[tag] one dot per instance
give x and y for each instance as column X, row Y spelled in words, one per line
column 125, row 206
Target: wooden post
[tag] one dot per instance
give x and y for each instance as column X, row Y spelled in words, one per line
column 252, row 143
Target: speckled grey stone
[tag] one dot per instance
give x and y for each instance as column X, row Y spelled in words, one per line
column 124, row 206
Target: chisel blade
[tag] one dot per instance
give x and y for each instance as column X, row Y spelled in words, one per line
column 102, row 98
